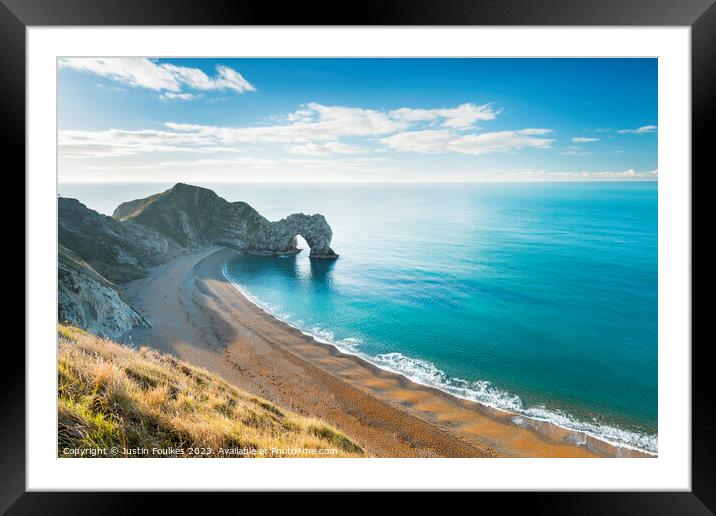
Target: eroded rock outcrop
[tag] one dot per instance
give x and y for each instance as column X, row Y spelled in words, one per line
column 97, row 253
column 88, row 300
column 119, row 251
column 313, row 228
column 194, row 216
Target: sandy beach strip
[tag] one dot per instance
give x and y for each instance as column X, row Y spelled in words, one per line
column 199, row 316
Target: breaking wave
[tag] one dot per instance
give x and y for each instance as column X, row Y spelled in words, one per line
column 480, row 391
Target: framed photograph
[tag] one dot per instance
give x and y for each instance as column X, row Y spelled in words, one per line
column 435, row 249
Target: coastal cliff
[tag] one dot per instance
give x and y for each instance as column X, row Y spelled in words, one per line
column 119, row 251
column 97, row 253
column 194, row 216
column 88, row 300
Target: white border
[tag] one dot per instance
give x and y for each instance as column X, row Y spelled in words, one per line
column 671, row 470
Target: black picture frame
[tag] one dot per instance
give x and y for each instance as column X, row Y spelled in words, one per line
column 17, row 15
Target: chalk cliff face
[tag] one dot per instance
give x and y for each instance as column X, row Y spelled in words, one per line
column 96, row 252
column 194, row 216
column 87, row 300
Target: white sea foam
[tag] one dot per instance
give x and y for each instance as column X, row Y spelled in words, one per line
column 480, row 391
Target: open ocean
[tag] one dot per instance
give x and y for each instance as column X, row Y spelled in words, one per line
column 536, row 298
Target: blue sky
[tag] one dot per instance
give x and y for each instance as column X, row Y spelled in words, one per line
column 136, row 119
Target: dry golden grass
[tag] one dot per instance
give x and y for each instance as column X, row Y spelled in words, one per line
column 115, row 398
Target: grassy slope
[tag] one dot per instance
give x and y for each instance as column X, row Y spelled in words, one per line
column 111, row 395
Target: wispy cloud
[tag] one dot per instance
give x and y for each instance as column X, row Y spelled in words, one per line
column 573, row 152
column 120, row 143
column 147, row 73
column 463, row 116
column 252, row 162
column 427, row 141
column 644, row 129
column 225, row 79
column 110, row 88
column 473, row 144
column 606, row 175
column 168, row 95
column 348, row 164
column 580, row 139
column 313, row 122
column 242, row 160
column 324, row 149
column 318, row 122
column 316, row 130
column 313, row 130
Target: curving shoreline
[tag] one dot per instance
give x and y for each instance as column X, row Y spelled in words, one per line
column 203, row 318
column 525, row 418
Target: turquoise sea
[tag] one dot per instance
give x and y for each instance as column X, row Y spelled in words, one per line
column 536, row 298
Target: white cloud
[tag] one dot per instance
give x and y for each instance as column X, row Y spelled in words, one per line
column 185, row 128
column 168, row 95
column 229, row 79
column 542, row 175
column 579, row 139
column 419, row 141
column 242, row 160
column 110, row 88
column 473, row 144
column 463, row 116
column 350, row 121
column 244, row 163
column 118, row 143
column 301, row 115
column 162, row 77
column 226, row 78
column 313, row 122
column 575, row 153
column 324, row 149
column 369, row 164
column 644, row 129
column 501, row 141
column 140, row 72
column 312, row 130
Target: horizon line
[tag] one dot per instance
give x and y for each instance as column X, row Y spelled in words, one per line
column 625, row 180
